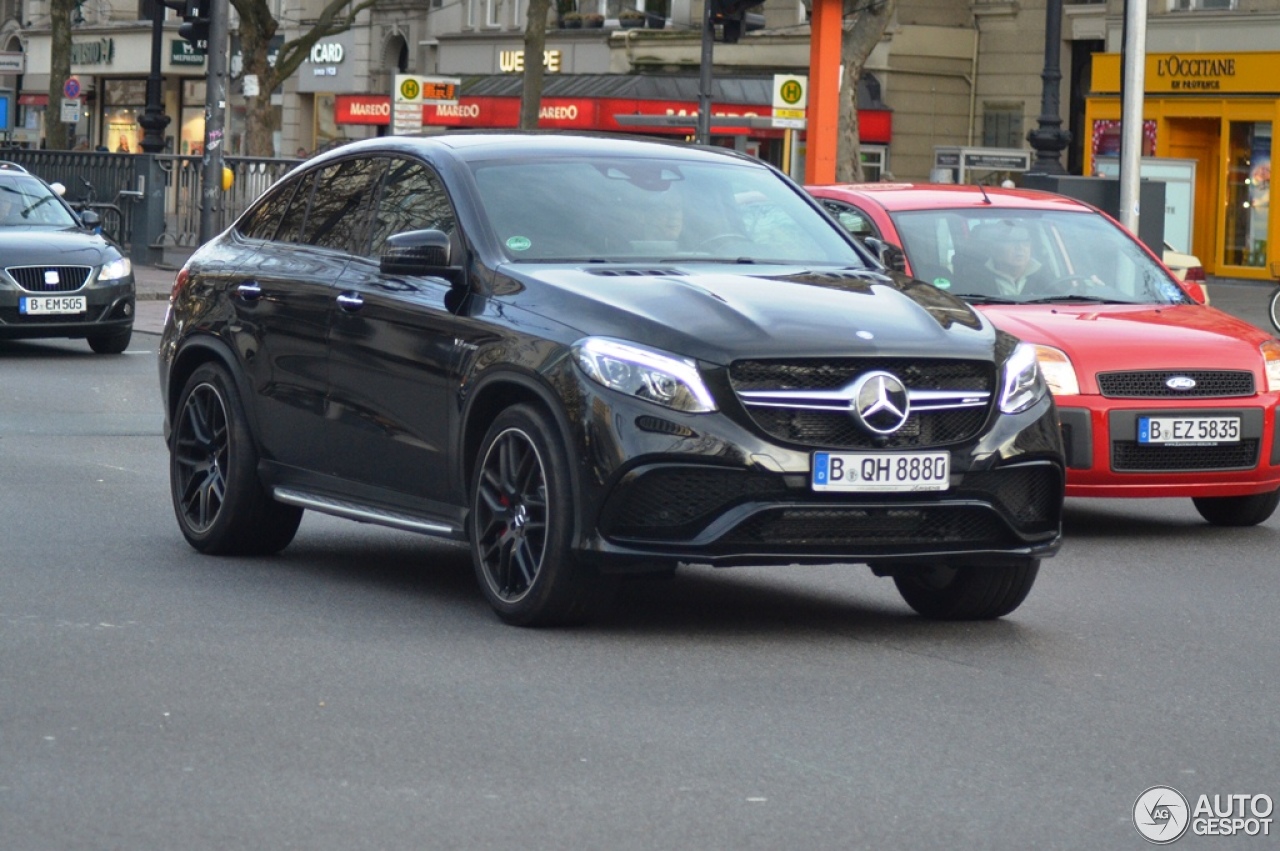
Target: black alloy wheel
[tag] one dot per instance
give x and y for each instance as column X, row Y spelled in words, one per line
column 967, row 593
column 521, row 525
column 219, row 502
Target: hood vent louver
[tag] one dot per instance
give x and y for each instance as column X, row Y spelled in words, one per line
column 639, row 272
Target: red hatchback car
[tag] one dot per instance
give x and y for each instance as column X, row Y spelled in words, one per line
column 1158, row 395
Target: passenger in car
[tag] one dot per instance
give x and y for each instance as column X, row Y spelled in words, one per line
column 667, row 222
column 10, row 210
column 1010, row 270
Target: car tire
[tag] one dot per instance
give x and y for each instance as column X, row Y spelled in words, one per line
column 521, row 526
column 110, row 344
column 1237, row 510
column 1273, row 310
column 967, row 593
column 220, row 504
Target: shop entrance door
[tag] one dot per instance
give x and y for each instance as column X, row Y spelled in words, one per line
column 1248, row 195
column 1199, row 139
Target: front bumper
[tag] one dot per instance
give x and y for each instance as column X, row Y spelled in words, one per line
column 110, row 307
column 1104, row 458
column 705, row 489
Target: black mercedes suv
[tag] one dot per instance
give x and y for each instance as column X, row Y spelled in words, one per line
column 589, row 357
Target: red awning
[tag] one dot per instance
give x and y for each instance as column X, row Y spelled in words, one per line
column 33, row 100
column 587, row 113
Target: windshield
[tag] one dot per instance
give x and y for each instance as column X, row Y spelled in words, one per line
column 1007, row 256
column 583, row 210
column 25, row 202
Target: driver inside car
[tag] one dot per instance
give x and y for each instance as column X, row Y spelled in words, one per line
column 1010, row 264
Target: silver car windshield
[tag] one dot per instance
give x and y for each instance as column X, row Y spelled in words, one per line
column 583, row 210
column 26, row 203
column 1029, row 256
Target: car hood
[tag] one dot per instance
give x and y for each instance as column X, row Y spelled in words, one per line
column 1113, row 338
column 36, row 246
column 720, row 313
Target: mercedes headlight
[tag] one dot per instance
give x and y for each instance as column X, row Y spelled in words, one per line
column 644, row 373
column 114, row 270
column 1023, row 383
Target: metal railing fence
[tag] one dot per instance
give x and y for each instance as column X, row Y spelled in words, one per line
column 110, row 183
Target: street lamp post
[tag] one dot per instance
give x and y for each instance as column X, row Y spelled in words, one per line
column 1049, row 139
column 153, row 119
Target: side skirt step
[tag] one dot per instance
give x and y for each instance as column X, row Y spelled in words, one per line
column 365, row 513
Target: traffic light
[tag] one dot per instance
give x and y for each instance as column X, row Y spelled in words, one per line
column 734, row 19
column 195, row 23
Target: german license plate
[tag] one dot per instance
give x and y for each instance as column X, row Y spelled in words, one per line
column 1168, row 430
column 35, row 305
column 881, row 471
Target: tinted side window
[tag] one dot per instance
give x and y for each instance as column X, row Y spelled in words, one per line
column 264, row 220
column 413, row 199
column 339, row 216
column 291, row 222
column 853, row 219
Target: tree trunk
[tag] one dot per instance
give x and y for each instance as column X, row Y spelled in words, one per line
column 260, row 126
column 56, row 134
column 864, row 26
column 257, row 28
column 535, row 42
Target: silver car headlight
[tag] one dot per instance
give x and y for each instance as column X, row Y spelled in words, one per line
column 114, row 270
column 644, row 373
column 1023, row 383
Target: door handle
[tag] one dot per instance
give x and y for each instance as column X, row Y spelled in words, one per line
column 350, row 302
column 249, row 290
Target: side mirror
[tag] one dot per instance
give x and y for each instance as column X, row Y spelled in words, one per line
column 1197, row 291
column 891, row 256
column 894, row 257
column 90, row 220
column 417, row 252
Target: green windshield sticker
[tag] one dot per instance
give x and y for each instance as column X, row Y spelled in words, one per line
column 519, row 243
column 942, row 283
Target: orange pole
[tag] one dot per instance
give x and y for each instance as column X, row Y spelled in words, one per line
column 825, row 26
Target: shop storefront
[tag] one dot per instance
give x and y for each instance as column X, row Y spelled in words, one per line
column 111, row 75
column 1218, row 109
column 614, row 112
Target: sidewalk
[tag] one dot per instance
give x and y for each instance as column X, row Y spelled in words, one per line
column 154, row 285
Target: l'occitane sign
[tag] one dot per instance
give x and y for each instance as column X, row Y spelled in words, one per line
column 1195, row 73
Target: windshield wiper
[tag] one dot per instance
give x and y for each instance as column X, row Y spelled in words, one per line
column 698, row 258
column 27, row 212
column 983, row 298
column 1068, row 299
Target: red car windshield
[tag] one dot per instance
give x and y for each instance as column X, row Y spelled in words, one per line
column 1032, row 256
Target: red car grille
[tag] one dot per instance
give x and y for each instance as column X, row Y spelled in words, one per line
column 1209, row 383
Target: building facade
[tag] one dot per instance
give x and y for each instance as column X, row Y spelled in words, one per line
column 1210, row 102
column 948, row 73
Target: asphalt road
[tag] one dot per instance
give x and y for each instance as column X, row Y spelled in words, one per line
column 355, row 692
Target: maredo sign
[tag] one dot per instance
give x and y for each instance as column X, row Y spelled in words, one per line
column 576, row 113
column 362, row 109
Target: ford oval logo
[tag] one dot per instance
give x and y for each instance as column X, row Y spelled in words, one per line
column 1180, row 382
